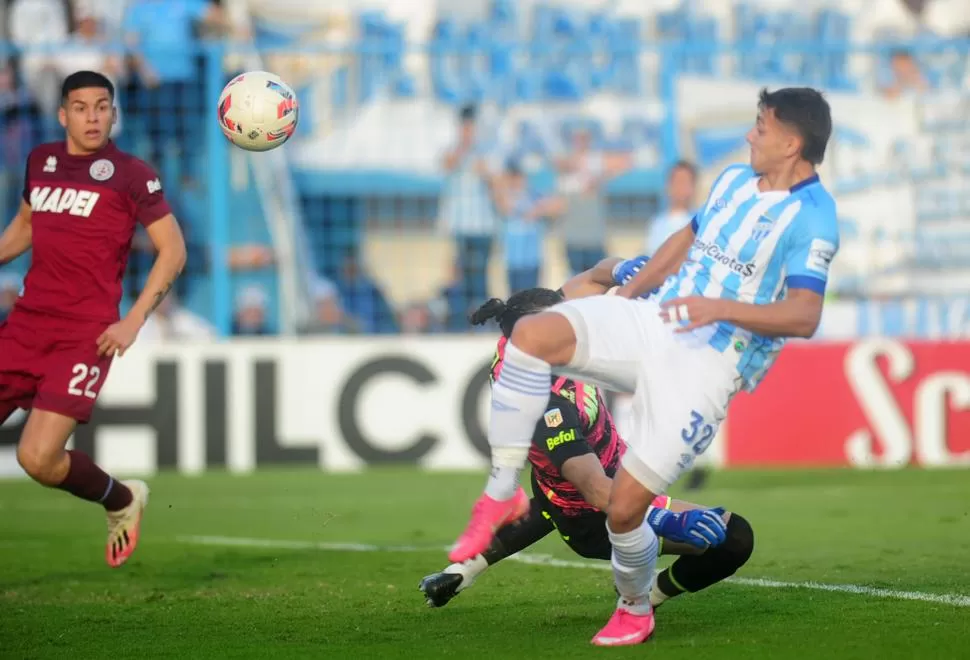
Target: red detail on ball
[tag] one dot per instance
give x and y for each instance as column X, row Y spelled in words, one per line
column 223, row 109
column 284, row 108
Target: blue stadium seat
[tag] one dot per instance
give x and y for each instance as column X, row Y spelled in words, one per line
column 598, row 26
column 442, row 49
column 562, row 86
column 503, row 12
column 568, row 24
column 625, row 44
column 446, row 30
column 528, row 84
column 382, row 47
column 501, row 58
column 477, row 36
column 834, row 27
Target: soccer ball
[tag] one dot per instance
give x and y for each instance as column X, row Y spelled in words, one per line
column 258, row 111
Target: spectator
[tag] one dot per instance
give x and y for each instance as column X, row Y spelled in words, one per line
column 86, row 49
column 524, row 232
column 467, row 207
column 108, row 14
column 18, row 113
column 165, row 92
column 328, row 314
column 582, row 174
column 906, row 77
column 171, row 321
column 363, row 300
column 250, row 315
column 416, row 319
column 39, row 26
column 450, row 308
column 681, row 187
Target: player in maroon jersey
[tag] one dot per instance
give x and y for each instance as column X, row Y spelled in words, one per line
column 83, row 199
column 574, row 454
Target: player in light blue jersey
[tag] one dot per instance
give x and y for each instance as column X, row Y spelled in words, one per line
column 747, row 273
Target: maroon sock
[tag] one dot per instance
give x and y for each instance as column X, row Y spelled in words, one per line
column 89, row 482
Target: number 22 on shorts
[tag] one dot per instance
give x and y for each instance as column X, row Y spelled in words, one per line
column 84, row 377
column 698, row 434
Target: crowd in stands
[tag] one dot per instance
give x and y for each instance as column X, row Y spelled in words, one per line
column 487, row 205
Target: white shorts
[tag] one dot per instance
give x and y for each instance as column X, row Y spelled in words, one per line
column 681, row 386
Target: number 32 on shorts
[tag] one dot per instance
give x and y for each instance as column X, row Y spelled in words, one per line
column 84, row 380
column 698, row 434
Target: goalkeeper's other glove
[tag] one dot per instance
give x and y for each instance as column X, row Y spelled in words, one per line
column 701, row 528
column 624, row 271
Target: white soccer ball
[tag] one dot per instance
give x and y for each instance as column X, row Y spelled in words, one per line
column 258, row 111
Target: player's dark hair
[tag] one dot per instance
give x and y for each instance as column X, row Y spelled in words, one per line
column 467, row 112
column 507, row 312
column 805, row 110
column 83, row 79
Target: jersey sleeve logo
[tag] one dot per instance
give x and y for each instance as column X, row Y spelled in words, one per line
column 561, row 439
column 102, row 169
column 553, row 418
column 820, row 255
column 154, row 186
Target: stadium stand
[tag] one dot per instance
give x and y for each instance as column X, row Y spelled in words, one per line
column 388, row 240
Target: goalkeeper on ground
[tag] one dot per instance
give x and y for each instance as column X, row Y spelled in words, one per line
column 575, row 452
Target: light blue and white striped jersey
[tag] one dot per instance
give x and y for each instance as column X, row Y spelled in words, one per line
column 754, row 246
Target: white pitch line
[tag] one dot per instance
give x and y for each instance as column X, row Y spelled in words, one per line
column 956, row 600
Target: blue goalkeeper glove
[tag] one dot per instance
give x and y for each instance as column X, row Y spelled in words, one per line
column 624, row 271
column 701, row 528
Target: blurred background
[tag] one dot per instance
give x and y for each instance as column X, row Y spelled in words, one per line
column 453, row 150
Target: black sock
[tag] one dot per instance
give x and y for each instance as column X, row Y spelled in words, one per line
column 519, row 535
column 695, row 572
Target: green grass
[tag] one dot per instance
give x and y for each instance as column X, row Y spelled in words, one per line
column 905, row 530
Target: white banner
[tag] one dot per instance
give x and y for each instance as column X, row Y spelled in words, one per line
column 340, row 403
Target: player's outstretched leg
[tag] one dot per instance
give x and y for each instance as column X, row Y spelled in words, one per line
column 696, row 570
column 635, row 547
column 42, row 455
column 440, row 588
column 519, row 398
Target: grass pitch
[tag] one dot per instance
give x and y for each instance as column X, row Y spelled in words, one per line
column 253, row 567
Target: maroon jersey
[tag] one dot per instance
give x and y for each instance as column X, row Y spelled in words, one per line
column 84, row 213
column 576, row 422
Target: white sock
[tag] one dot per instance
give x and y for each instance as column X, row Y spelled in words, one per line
column 634, row 558
column 657, row 596
column 507, row 465
column 469, row 570
column 519, row 399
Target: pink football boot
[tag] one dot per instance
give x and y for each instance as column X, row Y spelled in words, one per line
column 488, row 516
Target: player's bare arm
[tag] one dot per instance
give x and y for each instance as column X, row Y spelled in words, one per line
column 798, row 315
column 587, row 475
column 664, row 263
column 16, row 238
column 166, row 237
column 593, row 282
